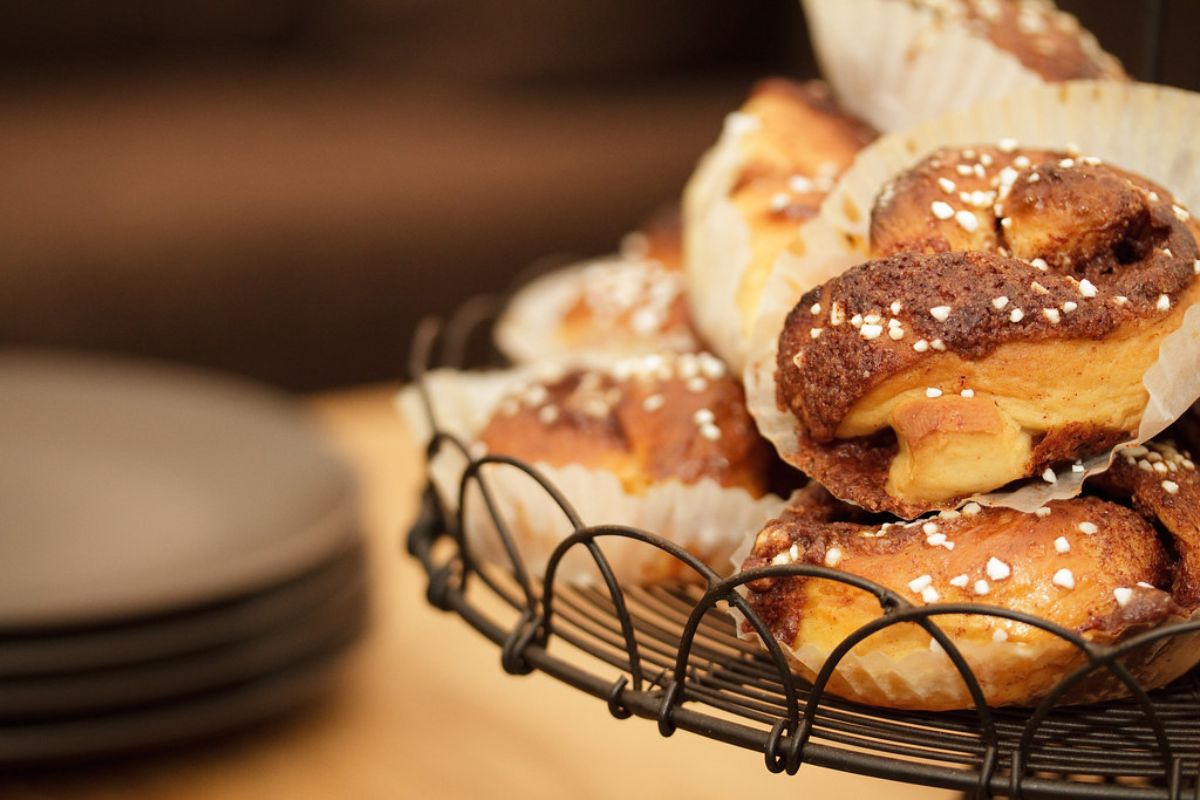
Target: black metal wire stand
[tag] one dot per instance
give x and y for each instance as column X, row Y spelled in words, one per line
column 670, row 654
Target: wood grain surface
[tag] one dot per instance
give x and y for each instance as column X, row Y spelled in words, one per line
column 421, row 709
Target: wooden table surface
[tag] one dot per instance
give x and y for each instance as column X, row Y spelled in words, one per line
column 422, row 709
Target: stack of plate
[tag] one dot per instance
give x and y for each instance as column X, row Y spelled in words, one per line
column 178, row 555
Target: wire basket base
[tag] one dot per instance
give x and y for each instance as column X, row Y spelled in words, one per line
column 733, row 693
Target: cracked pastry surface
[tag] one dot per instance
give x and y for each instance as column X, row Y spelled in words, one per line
column 1090, row 565
column 1017, row 299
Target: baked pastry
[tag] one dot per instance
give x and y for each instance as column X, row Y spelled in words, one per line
column 617, row 306
column 898, row 62
column 776, row 160
column 1090, row 565
column 660, row 443
column 646, row 421
column 1019, row 298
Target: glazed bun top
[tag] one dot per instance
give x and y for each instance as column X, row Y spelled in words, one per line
column 1047, row 41
column 646, row 420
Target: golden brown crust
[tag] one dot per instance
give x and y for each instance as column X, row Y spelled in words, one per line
column 647, row 421
column 1022, row 255
column 1089, row 565
column 1045, row 40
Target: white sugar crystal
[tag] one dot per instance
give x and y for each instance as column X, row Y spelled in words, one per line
column 920, row 584
column 1064, row 578
column 998, row 570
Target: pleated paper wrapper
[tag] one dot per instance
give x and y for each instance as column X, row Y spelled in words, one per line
column 1148, row 130
column 717, row 242
column 895, row 65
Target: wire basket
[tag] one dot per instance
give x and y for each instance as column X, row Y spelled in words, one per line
column 672, row 654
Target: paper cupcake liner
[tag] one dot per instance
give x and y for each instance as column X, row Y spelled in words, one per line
column 717, row 242
column 704, row 518
column 895, row 65
column 1148, row 130
column 529, row 328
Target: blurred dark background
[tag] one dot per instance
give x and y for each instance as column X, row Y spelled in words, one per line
column 281, row 188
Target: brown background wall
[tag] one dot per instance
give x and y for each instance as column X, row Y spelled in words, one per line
column 282, row 188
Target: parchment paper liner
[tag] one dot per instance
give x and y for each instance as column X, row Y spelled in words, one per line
column 529, row 328
column 705, row 518
column 925, row 678
column 717, row 243
column 1149, row 130
column 895, row 65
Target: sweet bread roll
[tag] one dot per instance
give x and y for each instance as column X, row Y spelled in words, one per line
column 660, row 443
column 1019, row 299
column 776, row 160
column 647, row 421
column 898, row 62
column 617, row 306
column 1090, row 565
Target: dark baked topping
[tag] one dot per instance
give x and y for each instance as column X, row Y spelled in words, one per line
column 886, row 316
